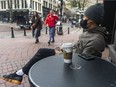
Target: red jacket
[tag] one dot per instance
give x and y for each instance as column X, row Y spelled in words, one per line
column 50, row 20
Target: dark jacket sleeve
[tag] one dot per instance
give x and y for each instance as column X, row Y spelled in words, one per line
column 92, row 51
column 39, row 24
column 95, row 47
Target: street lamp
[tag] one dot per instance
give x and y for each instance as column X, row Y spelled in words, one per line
column 61, row 7
column 10, row 10
column 60, row 31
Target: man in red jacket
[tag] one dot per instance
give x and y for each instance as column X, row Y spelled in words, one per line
column 51, row 21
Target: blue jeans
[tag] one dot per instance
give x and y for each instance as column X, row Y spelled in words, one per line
column 36, row 33
column 51, row 32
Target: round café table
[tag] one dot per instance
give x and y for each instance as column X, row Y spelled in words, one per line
column 53, row 72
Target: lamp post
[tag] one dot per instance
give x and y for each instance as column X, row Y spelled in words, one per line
column 60, row 31
column 61, row 7
column 10, row 10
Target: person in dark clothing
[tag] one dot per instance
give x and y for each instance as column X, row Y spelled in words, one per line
column 91, row 42
column 36, row 26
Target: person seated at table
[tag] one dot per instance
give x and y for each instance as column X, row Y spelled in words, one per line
column 92, row 42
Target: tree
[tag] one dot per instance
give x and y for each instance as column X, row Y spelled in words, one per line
column 73, row 3
column 81, row 4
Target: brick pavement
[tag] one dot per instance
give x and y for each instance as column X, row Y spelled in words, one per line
column 15, row 52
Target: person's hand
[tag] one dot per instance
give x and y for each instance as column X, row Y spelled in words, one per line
column 58, row 50
column 33, row 26
column 43, row 26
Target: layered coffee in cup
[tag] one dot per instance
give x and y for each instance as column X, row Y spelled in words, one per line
column 67, row 52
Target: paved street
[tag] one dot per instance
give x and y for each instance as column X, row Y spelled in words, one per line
column 15, row 52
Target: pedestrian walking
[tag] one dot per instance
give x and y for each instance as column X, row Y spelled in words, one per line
column 51, row 20
column 36, row 26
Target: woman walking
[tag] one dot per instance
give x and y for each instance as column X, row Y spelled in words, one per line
column 36, row 26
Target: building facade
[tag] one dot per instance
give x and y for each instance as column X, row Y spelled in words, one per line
column 10, row 9
column 47, row 5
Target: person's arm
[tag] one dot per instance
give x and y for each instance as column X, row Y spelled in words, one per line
column 91, row 51
column 56, row 18
column 39, row 23
column 77, row 46
column 95, row 47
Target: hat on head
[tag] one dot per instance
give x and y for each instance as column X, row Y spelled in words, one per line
column 95, row 13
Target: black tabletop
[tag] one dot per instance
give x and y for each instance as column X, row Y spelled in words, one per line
column 53, row 72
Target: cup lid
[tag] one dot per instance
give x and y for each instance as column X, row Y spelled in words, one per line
column 67, row 45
